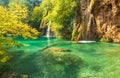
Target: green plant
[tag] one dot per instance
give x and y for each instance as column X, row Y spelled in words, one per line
column 103, row 39
column 60, row 13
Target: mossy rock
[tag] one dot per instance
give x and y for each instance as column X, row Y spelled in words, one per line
column 59, row 50
column 13, row 75
column 55, row 63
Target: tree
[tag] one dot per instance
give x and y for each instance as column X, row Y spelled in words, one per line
column 36, row 17
column 60, row 13
column 11, row 25
column 4, row 2
column 29, row 3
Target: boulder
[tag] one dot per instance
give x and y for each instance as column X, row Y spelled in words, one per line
column 59, row 63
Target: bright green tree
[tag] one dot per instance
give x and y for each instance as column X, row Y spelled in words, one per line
column 60, row 13
column 4, row 2
column 36, row 17
column 11, row 26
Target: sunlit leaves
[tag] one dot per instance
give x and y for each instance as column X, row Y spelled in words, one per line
column 57, row 28
column 46, row 5
column 60, row 12
column 37, row 13
column 3, row 58
column 36, row 17
column 11, row 25
column 17, row 10
column 11, row 21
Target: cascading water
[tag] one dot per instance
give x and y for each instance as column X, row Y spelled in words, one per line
column 88, row 19
column 48, row 30
column 48, row 33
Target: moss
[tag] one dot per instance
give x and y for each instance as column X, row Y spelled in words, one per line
column 3, row 57
column 118, row 2
column 74, row 33
column 91, row 4
column 4, row 67
column 60, row 64
column 83, row 26
column 103, row 39
column 59, row 50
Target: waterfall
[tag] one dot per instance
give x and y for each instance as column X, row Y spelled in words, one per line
column 88, row 19
column 86, row 29
column 48, row 30
column 48, row 33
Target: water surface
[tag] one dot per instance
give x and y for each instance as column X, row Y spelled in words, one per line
column 101, row 60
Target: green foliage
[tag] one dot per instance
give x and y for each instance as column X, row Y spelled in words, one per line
column 57, row 28
column 4, row 2
column 29, row 4
column 6, row 42
column 3, row 61
column 74, row 33
column 4, row 58
column 103, row 39
column 60, row 13
column 82, row 27
column 118, row 2
column 36, row 17
column 11, row 26
column 11, row 18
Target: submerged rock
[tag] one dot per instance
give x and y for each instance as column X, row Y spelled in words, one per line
column 58, row 63
column 59, row 50
column 13, row 75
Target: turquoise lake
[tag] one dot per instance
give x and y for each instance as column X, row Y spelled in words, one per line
column 101, row 60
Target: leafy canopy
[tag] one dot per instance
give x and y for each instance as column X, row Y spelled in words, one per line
column 60, row 13
column 11, row 22
column 11, row 26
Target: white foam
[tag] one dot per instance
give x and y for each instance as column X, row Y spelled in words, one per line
column 85, row 41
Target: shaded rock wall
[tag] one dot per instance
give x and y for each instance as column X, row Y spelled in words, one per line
column 107, row 16
column 84, row 27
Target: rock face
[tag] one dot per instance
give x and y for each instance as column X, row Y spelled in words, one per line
column 97, row 19
column 107, row 17
column 84, row 27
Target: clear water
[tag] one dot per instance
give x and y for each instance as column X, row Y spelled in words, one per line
column 101, row 60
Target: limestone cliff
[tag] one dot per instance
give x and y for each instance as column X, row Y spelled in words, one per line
column 102, row 20
column 107, row 17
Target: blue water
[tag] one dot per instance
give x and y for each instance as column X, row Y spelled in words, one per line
column 101, row 60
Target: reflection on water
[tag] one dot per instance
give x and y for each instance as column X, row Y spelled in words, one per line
column 100, row 60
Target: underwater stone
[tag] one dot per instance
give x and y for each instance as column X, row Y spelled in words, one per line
column 59, row 50
column 57, row 64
